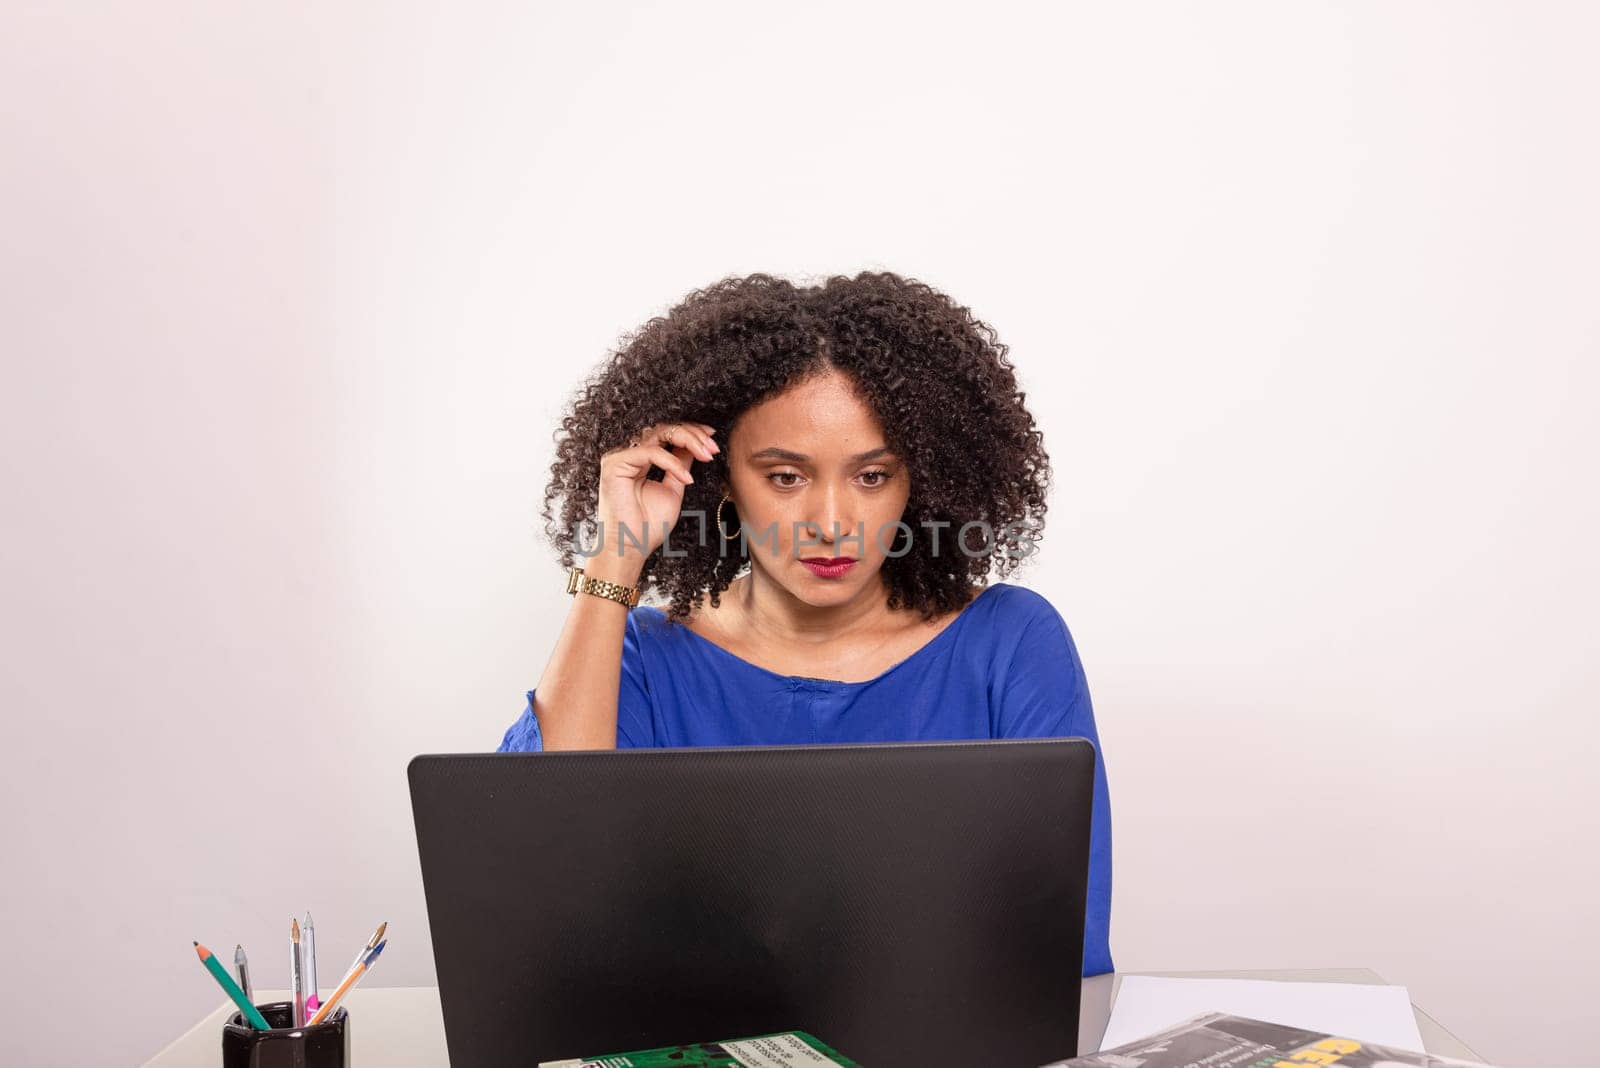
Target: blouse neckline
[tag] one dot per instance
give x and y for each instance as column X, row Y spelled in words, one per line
column 916, row 654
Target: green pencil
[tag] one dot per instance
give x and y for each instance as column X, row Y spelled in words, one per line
column 231, row 988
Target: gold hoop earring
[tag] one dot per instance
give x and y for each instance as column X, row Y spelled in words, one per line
column 725, row 536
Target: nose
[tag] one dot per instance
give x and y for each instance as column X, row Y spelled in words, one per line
column 833, row 507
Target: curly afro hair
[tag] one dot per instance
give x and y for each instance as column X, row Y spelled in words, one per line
column 937, row 379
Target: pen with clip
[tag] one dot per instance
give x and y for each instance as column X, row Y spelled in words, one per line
column 241, row 967
column 231, row 988
column 361, row 968
column 308, row 957
column 372, row 944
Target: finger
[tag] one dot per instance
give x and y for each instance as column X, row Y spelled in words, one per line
column 687, row 435
column 633, row 461
column 671, row 463
column 706, row 443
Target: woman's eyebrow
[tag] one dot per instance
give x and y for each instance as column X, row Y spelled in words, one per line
column 772, row 452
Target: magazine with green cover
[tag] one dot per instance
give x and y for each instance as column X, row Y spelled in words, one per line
column 785, row 1049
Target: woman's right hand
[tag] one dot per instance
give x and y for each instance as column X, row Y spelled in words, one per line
column 645, row 507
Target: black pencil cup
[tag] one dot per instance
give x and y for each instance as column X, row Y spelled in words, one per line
column 327, row 1045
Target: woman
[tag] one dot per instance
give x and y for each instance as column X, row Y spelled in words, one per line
column 840, row 468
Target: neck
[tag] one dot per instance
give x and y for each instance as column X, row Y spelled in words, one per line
column 773, row 613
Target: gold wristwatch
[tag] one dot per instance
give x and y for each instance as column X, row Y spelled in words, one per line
column 578, row 582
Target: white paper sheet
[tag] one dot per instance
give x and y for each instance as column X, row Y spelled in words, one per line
column 1377, row 1014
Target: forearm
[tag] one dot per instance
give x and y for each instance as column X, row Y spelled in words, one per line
column 576, row 699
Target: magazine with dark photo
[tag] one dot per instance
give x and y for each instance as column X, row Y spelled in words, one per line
column 1218, row 1040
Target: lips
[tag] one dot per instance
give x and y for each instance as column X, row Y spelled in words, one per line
column 829, row 568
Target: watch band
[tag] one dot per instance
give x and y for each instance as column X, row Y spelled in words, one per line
column 578, row 582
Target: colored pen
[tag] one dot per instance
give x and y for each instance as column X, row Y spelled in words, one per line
column 231, row 988
column 308, row 955
column 241, row 967
column 349, row 983
column 297, row 976
column 372, row 943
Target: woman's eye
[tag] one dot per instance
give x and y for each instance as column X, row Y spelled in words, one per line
column 877, row 478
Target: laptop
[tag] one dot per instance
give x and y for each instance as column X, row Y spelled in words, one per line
column 908, row 904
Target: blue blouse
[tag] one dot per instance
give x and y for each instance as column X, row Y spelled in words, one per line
column 1006, row 667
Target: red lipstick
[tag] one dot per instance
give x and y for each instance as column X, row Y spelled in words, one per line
column 829, row 567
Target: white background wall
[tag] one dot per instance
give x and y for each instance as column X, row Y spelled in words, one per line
column 1303, row 295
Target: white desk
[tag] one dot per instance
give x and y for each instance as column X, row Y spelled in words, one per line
column 402, row 1027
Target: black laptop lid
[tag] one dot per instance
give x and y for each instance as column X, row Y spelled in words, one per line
column 908, row 904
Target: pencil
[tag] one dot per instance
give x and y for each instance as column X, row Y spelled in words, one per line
column 231, row 988
column 297, row 976
column 349, row 983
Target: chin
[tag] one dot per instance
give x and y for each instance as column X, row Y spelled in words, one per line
column 826, row 591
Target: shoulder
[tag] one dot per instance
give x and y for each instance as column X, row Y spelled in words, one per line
column 1037, row 676
column 1015, row 599
column 645, row 626
column 1015, row 609
column 649, row 628
column 1024, row 627
column 703, row 623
